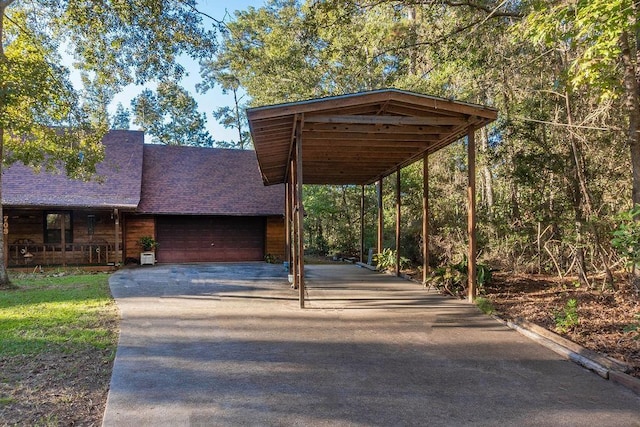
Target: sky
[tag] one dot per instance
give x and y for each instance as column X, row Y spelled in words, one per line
column 214, row 98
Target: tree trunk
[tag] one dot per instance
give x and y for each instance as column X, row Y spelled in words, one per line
column 4, row 278
column 581, row 199
column 238, row 118
column 632, row 105
column 486, row 170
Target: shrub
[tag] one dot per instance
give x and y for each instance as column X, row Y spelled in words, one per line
column 386, row 260
column 452, row 278
column 567, row 318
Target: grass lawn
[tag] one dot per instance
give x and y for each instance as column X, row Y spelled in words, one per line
column 58, row 335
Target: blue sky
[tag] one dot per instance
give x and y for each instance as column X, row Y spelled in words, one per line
column 213, row 98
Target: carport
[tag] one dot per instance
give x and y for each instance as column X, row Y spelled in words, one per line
column 361, row 139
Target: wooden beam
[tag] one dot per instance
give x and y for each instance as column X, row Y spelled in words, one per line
column 299, row 213
column 295, row 128
column 385, row 120
column 398, row 205
column 396, row 138
column 425, row 218
column 287, row 226
column 362, row 225
column 380, row 239
column 471, row 219
column 116, row 217
column 63, row 238
column 294, row 229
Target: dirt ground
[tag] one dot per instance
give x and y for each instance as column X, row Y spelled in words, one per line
column 55, row 389
column 608, row 321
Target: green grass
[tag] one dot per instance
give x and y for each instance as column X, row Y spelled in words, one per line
column 485, row 305
column 64, row 313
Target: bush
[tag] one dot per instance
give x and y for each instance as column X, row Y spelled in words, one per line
column 452, row 278
column 567, row 318
column 386, row 260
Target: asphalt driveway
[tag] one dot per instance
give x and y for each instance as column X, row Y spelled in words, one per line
column 226, row 344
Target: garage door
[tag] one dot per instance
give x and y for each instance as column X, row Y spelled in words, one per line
column 210, row 239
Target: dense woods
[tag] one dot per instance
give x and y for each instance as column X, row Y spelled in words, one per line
column 555, row 171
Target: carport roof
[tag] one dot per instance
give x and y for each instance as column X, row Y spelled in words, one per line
column 358, row 138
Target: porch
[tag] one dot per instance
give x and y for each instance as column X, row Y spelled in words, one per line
column 50, row 237
column 29, row 253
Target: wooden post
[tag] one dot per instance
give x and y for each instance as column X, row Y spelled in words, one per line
column 5, row 232
column 425, row 218
column 471, row 221
column 398, row 205
column 63, row 238
column 287, row 225
column 294, row 230
column 362, row 256
column 116, row 217
column 299, row 214
column 380, row 239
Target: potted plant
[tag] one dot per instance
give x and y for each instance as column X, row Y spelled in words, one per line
column 148, row 244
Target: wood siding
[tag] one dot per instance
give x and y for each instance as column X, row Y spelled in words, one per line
column 275, row 238
column 135, row 227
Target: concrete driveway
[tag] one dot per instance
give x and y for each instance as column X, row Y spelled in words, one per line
column 226, row 344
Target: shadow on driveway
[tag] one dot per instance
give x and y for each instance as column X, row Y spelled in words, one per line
column 226, row 344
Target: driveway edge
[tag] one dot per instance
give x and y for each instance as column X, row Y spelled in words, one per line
column 606, row 367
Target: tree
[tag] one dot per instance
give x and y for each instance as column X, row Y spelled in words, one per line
column 171, row 116
column 605, row 35
column 122, row 118
column 215, row 73
column 114, row 43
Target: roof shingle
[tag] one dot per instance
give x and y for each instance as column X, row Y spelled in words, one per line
column 121, row 172
column 206, row 181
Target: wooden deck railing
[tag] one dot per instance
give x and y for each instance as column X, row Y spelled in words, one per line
column 88, row 253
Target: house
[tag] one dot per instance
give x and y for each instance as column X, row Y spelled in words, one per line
column 200, row 204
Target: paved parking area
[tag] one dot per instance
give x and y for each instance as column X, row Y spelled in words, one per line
column 226, row 344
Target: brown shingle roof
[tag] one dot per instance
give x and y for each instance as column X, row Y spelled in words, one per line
column 121, row 172
column 206, row 181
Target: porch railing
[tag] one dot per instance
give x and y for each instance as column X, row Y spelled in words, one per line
column 88, row 253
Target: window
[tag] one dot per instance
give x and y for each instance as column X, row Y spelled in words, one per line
column 54, row 223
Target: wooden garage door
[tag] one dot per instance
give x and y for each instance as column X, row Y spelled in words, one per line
column 209, row 239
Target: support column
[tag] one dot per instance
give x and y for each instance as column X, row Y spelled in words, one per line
column 362, row 256
column 294, row 230
column 398, row 205
column 299, row 214
column 116, row 217
column 63, row 238
column 287, row 225
column 471, row 218
column 380, row 239
column 425, row 218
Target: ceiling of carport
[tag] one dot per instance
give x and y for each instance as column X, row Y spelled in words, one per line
column 358, row 138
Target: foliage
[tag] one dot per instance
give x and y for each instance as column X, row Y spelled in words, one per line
column 626, row 236
column 567, row 318
column 64, row 312
column 122, row 118
column 171, row 116
column 634, row 327
column 452, row 278
column 271, row 259
column 41, row 118
column 44, row 121
column 386, row 260
column 147, row 243
column 485, row 305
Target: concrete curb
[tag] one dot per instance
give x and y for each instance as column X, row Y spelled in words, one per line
column 606, row 367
